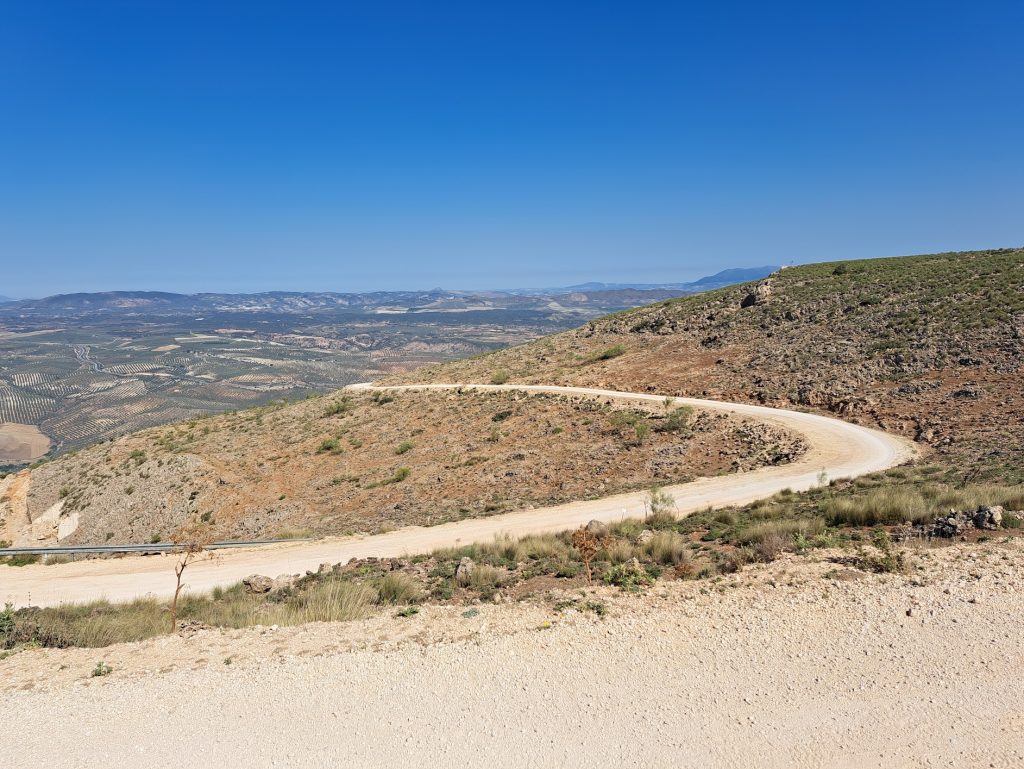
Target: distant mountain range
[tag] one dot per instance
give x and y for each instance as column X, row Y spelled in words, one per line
column 5, row 299
column 585, row 297
column 707, row 283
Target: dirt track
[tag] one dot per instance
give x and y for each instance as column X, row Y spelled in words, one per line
column 791, row 664
column 837, row 448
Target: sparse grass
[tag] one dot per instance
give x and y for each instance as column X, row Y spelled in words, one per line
column 397, row 477
column 100, row 623
column 294, row 534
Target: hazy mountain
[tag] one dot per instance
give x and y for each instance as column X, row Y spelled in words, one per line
column 718, row 280
column 605, row 297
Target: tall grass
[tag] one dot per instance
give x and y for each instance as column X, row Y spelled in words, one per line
column 918, row 504
column 101, row 623
column 760, row 532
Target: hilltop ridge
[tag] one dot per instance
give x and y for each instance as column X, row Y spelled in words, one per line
column 927, row 346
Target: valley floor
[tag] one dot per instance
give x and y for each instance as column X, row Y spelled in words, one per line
column 799, row 663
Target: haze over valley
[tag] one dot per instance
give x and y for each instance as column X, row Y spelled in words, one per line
column 77, row 369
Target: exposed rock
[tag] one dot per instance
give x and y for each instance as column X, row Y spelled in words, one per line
column 968, row 391
column 283, row 582
column 596, row 529
column 257, row 583
column 759, row 295
column 465, row 569
column 989, row 517
column 644, row 537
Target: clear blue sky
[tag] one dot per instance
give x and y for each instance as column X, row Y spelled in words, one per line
column 350, row 146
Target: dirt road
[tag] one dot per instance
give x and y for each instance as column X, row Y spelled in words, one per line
column 836, row 448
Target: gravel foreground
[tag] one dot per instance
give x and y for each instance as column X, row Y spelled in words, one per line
column 800, row 663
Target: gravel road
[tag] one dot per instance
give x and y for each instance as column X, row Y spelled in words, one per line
column 837, row 448
column 792, row 664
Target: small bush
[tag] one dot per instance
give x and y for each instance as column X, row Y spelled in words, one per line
column 677, row 421
column 339, row 407
column 403, row 447
column 102, row 669
column 330, row 445
column 629, row 576
column 611, row 352
column 500, row 377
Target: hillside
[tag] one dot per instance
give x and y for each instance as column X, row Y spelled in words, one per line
column 357, row 462
column 926, row 346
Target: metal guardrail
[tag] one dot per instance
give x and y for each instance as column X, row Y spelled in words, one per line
column 147, row 549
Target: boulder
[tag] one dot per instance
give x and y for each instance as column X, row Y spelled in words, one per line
column 596, row 529
column 283, row 582
column 989, row 517
column 644, row 537
column 465, row 569
column 257, row 583
column 759, row 295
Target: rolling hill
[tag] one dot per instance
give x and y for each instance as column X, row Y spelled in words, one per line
column 927, row 346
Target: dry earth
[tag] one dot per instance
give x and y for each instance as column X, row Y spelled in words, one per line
column 260, row 473
column 798, row 663
column 21, row 443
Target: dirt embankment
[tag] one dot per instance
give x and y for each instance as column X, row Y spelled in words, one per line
column 799, row 663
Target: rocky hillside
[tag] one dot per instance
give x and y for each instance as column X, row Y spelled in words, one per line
column 360, row 462
column 928, row 346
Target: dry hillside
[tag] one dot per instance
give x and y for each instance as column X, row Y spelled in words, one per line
column 365, row 463
column 927, row 346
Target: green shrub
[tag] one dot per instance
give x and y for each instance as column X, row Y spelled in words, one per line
column 629, row 576
column 612, row 352
column 342, row 406
column 403, row 447
column 500, row 377
column 330, row 445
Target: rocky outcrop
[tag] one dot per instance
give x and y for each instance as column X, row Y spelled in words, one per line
column 759, row 295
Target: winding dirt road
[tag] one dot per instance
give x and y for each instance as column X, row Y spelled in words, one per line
column 837, row 448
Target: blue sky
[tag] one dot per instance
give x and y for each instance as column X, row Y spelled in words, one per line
column 351, row 146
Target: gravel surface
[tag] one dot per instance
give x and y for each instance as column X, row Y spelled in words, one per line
column 800, row 663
